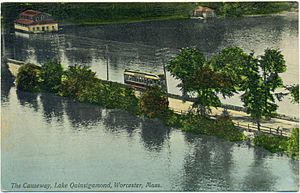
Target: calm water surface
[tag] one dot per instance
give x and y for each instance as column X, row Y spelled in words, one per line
column 48, row 139
column 138, row 46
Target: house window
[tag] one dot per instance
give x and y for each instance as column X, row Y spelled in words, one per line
column 47, row 27
column 43, row 28
column 33, row 29
column 38, row 28
column 53, row 27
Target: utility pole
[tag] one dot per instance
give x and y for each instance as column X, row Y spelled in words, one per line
column 162, row 54
column 3, row 41
column 107, row 66
column 165, row 74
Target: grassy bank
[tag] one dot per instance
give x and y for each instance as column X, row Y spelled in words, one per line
column 288, row 145
column 221, row 127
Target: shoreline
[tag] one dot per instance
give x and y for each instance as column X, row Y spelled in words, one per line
column 165, row 18
column 66, row 23
column 124, row 21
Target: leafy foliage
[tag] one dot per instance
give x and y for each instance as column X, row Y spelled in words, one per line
column 28, row 78
column 248, row 8
column 294, row 92
column 199, row 76
column 222, row 128
column 80, row 83
column 97, row 12
column 51, row 74
column 109, row 95
column 231, row 62
column 154, row 102
column 271, row 143
column 262, row 78
column 76, row 79
column 274, row 144
column 293, row 144
column 184, row 65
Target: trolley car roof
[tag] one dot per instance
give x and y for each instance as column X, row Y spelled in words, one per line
column 141, row 74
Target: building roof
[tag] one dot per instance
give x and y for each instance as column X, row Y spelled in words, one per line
column 30, row 13
column 203, row 9
column 30, row 20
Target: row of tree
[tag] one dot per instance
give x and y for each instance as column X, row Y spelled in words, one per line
column 77, row 82
column 78, row 12
column 249, row 8
column 91, row 12
column 227, row 73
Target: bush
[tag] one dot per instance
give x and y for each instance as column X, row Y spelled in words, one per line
column 51, row 74
column 28, row 78
column 154, row 102
column 271, row 143
column 75, row 80
column 172, row 119
column 293, row 144
column 222, row 128
column 80, row 83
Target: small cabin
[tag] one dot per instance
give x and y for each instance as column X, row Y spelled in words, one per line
column 32, row 21
column 203, row 12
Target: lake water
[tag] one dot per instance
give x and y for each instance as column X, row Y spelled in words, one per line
column 48, row 139
column 138, row 46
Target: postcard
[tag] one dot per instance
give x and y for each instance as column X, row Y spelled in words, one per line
column 150, row 96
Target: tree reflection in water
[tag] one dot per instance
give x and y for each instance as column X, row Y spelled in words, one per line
column 294, row 164
column 208, row 165
column 28, row 99
column 6, row 82
column 53, row 107
column 154, row 133
column 118, row 120
column 259, row 177
column 82, row 114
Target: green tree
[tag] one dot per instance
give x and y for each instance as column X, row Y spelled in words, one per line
column 154, row 102
column 199, row 77
column 75, row 80
column 230, row 62
column 207, row 84
column 51, row 74
column 262, row 79
column 183, row 66
column 252, row 87
column 294, row 92
column 28, row 78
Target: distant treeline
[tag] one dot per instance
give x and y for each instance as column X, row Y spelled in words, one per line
column 90, row 13
column 249, row 8
column 97, row 12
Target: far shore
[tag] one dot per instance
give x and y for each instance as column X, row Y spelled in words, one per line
column 166, row 18
column 121, row 21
